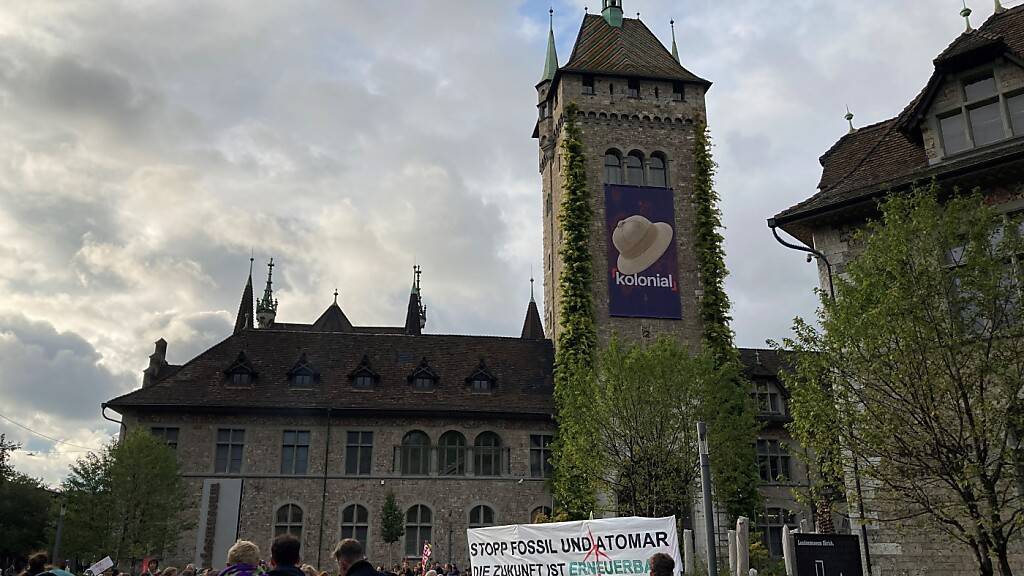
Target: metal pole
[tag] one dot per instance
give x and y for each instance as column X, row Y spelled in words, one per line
column 60, row 530
column 709, row 507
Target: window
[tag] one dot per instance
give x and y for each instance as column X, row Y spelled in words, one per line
column 611, row 89
column 355, row 523
column 772, row 461
column 358, row 453
column 363, row 382
column 295, row 452
column 612, row 167
column 302, row 375
column 168, row 435
column 678, row 94
column 1015, row 105
column 978, row 121
column 656, row 94
column 415, row 454
column 487, row 455
column 980, row 88
column 481, row 516
column 452, row 454
column 540, row 513
column 768, row 401
column 986, row 123
column 588, row 84
column 302, row 380
column 633, row 89
column 542, row 110
column 656, row 171
column 423, row 384
column 774, row 520
column 635, row 169
column 240, row 378
column 417, row 529
column 954, row 135
column 481, row 386
column 228, row 457
column 288, row 521
column 540, row 454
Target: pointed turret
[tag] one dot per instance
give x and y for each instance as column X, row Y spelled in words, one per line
column 333, row 319
column 675, row 50
column 244, row 317
column 533, row 329
column 551, row 60
column 266, row 308
column 416, row 312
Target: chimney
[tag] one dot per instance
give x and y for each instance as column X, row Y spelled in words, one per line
column 157, row 360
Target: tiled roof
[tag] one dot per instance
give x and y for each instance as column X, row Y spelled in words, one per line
column 886, row 154
column 632, row 50
column 522, row 368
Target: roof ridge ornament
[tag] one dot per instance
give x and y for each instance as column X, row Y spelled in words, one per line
column 966, row 14
column 675, row 51
column 849, row 118
column 999, row 7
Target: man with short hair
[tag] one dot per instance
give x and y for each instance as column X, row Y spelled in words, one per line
column 284, row 556
column 662, row 565
column 352, row 560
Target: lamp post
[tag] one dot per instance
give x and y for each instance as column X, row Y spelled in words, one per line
column 60, row 531
column 709, row 507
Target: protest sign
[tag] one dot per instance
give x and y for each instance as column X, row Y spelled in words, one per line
column 603, row 547
column 101, row 566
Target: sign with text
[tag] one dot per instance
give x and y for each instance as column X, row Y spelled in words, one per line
column 643, row 275
column 827, row 554
column 603, row 547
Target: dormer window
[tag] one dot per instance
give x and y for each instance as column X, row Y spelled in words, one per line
column 481, row 381
column 303, row 375
column 588, row 84
column 302, row 380
column 423, row 378
column 241, row 371
column 363, row 377
column 979, row 119
column 768, row 400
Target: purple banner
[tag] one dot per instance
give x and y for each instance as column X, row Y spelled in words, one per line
column 643, row 277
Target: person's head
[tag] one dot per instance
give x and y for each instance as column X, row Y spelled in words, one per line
column 662, row 565
column 169, row 571
column 37, row 563
column 152, row 564
column 285, row 551
column 244, row 552
column 348, row 552
column 431, row 573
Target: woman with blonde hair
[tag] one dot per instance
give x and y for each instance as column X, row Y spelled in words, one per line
column 243, row 558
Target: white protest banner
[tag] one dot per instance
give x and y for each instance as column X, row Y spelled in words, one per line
column 101, row 566
column 602, row 547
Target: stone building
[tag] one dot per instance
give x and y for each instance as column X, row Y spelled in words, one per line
column 964, row 130
column 305, row 428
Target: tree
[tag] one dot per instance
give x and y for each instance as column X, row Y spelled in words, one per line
column 646, row 406
column 729, row 412
column 573, row 454
column 920, row 363
column 24, row 507
column 392, row 525
column 89, row 518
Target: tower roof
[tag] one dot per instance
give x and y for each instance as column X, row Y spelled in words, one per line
column 551, row 59
column 533, row 329
column 629, row 50
column 333, row 320
column 244, row 317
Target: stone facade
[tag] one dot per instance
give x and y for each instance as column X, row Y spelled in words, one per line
column 512, row 496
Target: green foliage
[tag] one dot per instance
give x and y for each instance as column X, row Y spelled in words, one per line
column 24, row 507
column 919, row 365
column 729, row 412
column 762, row 561
column 126, row 500
column 646, row 406
column 573, row 454
column 392, row 523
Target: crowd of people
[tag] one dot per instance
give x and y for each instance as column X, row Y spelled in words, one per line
column 286, row 560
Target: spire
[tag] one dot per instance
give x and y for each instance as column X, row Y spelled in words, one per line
column 533, row 329
column 999, row 7
column 531, row 287
column 416, row 312
column 551, row 60
column 675, row 51
column 244, row 317
column 612, row 12
column 966, row 13
column 266, row 308
column 333, row 319
column 849, row 118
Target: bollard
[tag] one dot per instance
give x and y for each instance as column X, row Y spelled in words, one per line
column 742, row 545
column 688, row 552
column 732, row 552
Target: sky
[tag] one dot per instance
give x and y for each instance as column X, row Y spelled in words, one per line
column 148, row 148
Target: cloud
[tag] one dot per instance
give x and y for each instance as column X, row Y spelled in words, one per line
column 144, row 153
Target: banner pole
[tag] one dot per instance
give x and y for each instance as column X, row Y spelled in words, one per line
column 709, row 507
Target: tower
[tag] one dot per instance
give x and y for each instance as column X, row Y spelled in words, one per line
column 638, row 112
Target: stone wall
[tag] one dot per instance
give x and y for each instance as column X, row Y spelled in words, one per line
column 512, row 496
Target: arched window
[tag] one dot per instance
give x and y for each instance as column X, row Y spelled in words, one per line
column 481, row 516
column 540, row 513
column 658, row 175
column 417, row 529
column 635, row 169
column 612, row 167
column 487, row 454
column 452, row 454
column 415, row 454
column 288, row 521
column 355, row 523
